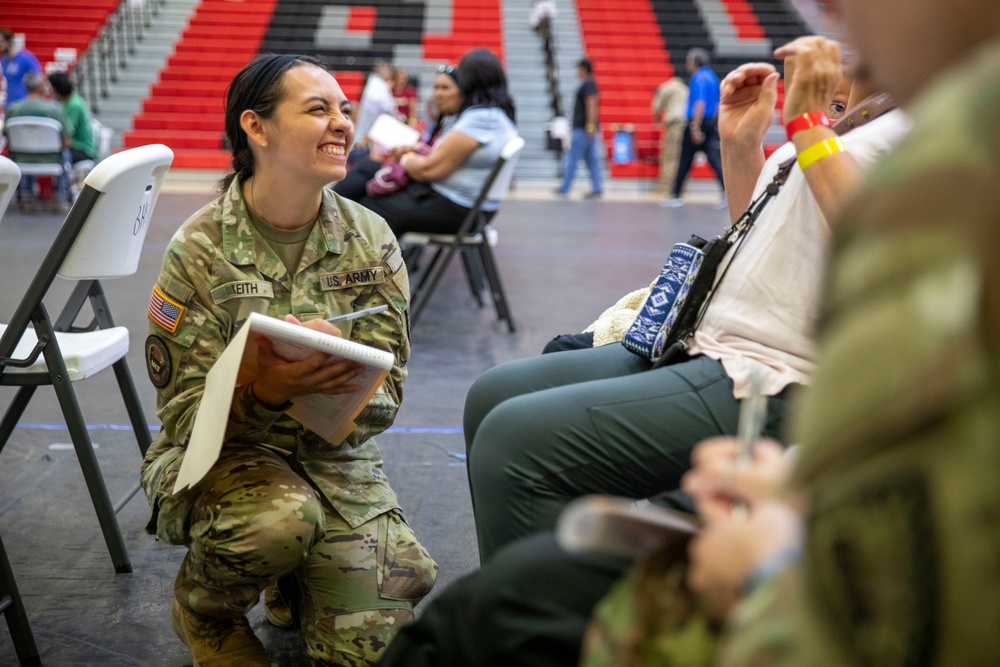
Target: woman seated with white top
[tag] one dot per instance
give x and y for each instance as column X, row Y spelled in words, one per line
column 445, row 182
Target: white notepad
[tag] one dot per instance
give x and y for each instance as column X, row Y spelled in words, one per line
column 331, row 416
column 389, row 133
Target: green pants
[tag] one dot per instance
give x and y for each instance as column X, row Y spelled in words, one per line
column 255, row 520
column 545, row 430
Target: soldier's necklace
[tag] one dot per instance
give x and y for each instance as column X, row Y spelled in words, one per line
column 253, row 205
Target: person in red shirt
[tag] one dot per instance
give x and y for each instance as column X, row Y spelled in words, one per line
column 406, row 96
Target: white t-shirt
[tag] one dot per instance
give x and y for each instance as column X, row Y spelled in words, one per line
column 376, row 99
column 764, row 311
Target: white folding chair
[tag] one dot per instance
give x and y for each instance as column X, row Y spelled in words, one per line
column 101, row 238
column 36, row 135
column 11, row 605
column 473, row 238
column 10, row 175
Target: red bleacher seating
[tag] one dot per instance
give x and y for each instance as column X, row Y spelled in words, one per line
column 185, row 109
column 474, row 23
column 54, row 24
column 186, row 105
column 623, row 40
column 744, row 20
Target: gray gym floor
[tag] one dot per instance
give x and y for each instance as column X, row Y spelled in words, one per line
column 562, row 262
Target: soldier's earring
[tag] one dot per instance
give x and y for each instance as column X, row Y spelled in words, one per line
column 263, row 144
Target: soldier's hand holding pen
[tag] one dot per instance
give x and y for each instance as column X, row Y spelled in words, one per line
column 719, row 476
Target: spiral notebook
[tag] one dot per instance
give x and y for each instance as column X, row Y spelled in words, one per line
column 331, row 416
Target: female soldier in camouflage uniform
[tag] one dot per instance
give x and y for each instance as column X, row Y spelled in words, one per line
column 280, row 499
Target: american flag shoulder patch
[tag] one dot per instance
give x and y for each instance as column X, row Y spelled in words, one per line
column 165, row 311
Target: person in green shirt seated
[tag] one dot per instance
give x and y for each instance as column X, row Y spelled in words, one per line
column 83, row 143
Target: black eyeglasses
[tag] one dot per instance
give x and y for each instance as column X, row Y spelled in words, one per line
column 446, row 69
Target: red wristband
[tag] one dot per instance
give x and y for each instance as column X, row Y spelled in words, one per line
column 806, row 121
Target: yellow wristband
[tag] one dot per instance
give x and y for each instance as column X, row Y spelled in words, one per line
column 817, row 152
column 591, row 127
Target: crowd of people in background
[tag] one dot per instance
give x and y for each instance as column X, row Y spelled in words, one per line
column 30, row 93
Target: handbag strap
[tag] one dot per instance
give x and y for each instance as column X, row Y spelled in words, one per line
column 737, row 232
column 739, row 229
column 868, row 110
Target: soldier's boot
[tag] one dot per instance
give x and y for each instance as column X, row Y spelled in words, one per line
column 276, row 609
column 218, row 642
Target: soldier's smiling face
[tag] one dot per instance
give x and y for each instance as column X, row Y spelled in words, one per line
column 310, row 133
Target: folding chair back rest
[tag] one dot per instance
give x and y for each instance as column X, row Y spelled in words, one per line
column 501, row 184
column 128, row 185
column 9, row 177
column 472, row 234
column 33, row 134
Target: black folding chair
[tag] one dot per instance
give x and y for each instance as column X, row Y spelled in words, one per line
column 10, row 599
column 473, row 239
column 13, row 611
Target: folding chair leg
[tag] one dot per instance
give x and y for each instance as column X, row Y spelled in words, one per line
column 132, row 405
column 496, row 286
column 17, row 620
column 429, row 281
column 426, row 273
column 136, row 416
column 14, row 412
column 411, row 257
column 91, row 470
column 474, row 273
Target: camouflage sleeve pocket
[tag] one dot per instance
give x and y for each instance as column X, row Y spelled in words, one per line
column 396, row 289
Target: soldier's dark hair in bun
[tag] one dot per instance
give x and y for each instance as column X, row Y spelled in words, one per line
column 256, row 87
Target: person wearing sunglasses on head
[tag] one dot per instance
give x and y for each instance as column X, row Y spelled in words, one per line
column 440, row 187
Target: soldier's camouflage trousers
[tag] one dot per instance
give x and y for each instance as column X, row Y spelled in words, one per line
column 256, row 520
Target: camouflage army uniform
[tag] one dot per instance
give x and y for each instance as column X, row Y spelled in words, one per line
column 280, row 498
column 902, row 558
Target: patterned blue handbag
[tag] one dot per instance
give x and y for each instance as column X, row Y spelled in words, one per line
column 677, row 302
column 675, row 280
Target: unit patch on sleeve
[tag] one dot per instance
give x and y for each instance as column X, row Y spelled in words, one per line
column 158, row 363
column 364, row 276
column 165, row 311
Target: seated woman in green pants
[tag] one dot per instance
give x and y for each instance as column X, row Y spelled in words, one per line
column 544, row 430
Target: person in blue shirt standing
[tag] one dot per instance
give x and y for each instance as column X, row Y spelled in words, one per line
column 584, row 144
column 702, row 132
column 15, row 66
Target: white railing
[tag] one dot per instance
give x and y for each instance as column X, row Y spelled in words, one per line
column 108, row 53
